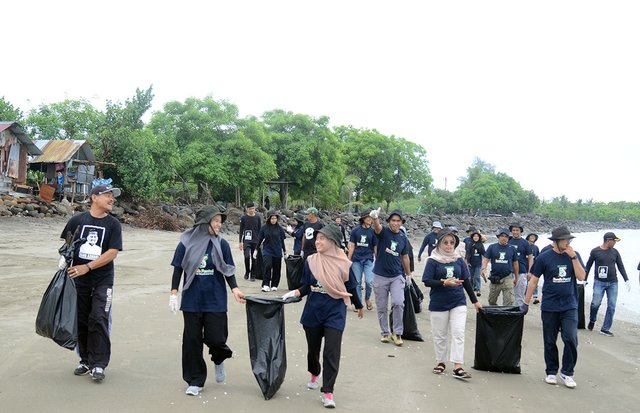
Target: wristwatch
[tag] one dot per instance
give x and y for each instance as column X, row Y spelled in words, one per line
column 575, row 257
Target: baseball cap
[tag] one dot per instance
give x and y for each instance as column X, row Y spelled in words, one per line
column 611, row 235
column 312, row 210
column 103, row 189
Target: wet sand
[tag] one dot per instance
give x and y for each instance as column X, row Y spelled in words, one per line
column 145, row 374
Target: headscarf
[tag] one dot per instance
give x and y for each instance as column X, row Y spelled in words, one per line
column 195, row 241
column 331, row 269
column 445, row 257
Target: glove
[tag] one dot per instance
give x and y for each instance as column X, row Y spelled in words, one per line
column 524, row 308
column 290, row 294
column 628, row 283
column 173, row 303
column 289, row 229
column 375, row 213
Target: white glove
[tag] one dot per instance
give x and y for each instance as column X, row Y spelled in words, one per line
column 628, row 283
column 173, row 303
column 290, row 294
column 375, row 213
column 289, row 229
column 62, row 263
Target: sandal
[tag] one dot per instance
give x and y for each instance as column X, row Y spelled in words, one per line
column 459, row 373
column 369, row 305
column 439, row 369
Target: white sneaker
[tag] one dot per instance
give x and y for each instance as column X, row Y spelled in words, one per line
column 193, row 390
column 274, row 288
column 551, row 379
column 221, row 373
column 568, row 381
column 327, row 401
column 313, row 384
column 265, row 288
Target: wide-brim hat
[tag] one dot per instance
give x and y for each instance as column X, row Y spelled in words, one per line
column 476, row 232
column 516, row 225
column 271, row 214
column 298, row 217
column 398, row 213
column 436, row 224
column 206, row 214
column 504, row 231
column 331, row 231
column 532, row 235
column 471, row 230
column 561, row 233
column 364, row 214
column 446, row 232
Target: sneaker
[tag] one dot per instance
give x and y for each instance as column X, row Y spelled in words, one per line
column 265, row 288
column 81, row 370
column 590, row 326
column 327, row 401
column 551, row 379
column 479, row 294
column 274, row 288
column 568, row 381
column 97, row 374
column 384, row 339
column 193, row 390
column 221, row 373
column 536, row 301
column 606, row 333
column 397, row 340
column 312, row 384
column 246, row 277
column 252, row 279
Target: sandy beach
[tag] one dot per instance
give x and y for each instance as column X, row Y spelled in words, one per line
column 145, row 375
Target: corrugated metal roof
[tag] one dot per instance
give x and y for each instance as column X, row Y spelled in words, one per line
column 61, row 151
column 21, row 135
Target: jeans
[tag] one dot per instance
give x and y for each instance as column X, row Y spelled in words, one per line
column 599, row 289
column 565, row 322
column 475, row 277
column 366, row 267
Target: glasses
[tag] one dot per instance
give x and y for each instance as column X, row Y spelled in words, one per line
column 449, row 242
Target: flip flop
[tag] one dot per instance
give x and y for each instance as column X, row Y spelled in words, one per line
column 369, row 305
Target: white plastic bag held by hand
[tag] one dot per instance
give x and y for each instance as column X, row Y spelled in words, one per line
column 173, row 303
column 290, row 294
column 628, row 283
column 62, row 263
column 375, row 213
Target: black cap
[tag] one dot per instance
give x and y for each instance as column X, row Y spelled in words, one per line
column 610, row 235
column 396, row 212
column 103, row 189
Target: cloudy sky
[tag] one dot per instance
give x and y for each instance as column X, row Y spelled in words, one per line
column 547, row 91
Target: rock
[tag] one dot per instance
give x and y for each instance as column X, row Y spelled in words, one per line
column 33, row 213
column 234, row 215
column 62, row 209
column 117, row 211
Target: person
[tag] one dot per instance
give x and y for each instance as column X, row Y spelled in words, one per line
column 297, row 233
column 504, row 269
column 330, row 288
column 525, row 260
column 362, row 249
column 267, row 203
column 475, row 251
column 93, row 277
column 389, row 272
column 430, row 239
column 271, row 238
column 606, row 258
column 309, row 228
column 205, row 259
column 345, row 242
column 446, row 275
column 250, row 224
column 409, row 246
column 561, row 267
column 460, row 249
column 469, row 231
column 532, row 238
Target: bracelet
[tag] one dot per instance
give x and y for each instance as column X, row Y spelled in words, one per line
column 88, row 266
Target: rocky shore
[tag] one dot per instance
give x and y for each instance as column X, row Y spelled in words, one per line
column 170, row 217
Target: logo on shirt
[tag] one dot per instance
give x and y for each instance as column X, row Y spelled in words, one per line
column 202, row 267
column 308, row 233
column 603, row 271
column 363, row 241
column 92, row 248
column 502, row 259
column 449, row 271
column 394, row 245
column 562, row 276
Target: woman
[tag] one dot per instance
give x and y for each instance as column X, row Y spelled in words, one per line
column 206, row 261
column 272, row 240
column 446, row 275
column 327, row 281
column 297, row 232
column 475, row 252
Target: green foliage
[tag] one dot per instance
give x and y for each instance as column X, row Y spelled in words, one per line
column 562, row 208
column 70, row 119
column 9, row 113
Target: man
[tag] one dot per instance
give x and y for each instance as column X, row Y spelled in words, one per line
column 504, row 269
column 561, row 267
column 525, row 260
column 535, row 251
column 605, row 257
column 391, row 267
column 362, row 248
column 430, row 239
column 93, row 276
column 250, row 225
column 345, row 243
column 309, row 229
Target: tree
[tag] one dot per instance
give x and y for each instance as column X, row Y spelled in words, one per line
column 8, row 112
column 69, row 119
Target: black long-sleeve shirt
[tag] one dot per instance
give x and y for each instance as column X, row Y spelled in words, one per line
column 605, row 265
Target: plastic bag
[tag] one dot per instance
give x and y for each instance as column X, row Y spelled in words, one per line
column 295, row 265
column 267, row 350
column 499, row 339
column 416, row 296
column 57, row 317
column 409, row 320
column 581, row 306
column 256, row 270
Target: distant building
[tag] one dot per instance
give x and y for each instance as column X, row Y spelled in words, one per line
column 15, row 147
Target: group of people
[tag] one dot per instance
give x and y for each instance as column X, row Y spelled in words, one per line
column 376, row 257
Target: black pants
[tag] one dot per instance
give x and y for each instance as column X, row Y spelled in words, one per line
column 330, row 354
column 203, row 328
column 249, row 261
column 272, row 267
column 94, row 322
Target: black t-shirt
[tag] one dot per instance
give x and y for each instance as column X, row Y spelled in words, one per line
column 250, row 229
column 102, row 234
column 605, row 265
column 309, row 229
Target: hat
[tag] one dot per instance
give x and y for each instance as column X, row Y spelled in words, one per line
column 331, row 231
column 396, row 212
column 436, row 224
column 475, row 232
column 206, row 214
column 504, row 231
column 453, row 229
column 272, row 213
column 532, row 235
column 299, row 217
column 311, row 210
column 561, row 233
column 103, row 189
column 611, row 235
column 471, row 229
column 250, row 204
column 446, row 232
column 516, row 225
column 364, row 214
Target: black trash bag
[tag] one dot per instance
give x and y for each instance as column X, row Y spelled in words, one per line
column 409, row 320
column 581, row 306
column 499, row 339
column 295, row 265
column 416, row 296
column 256, row 270
column 267, row 350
